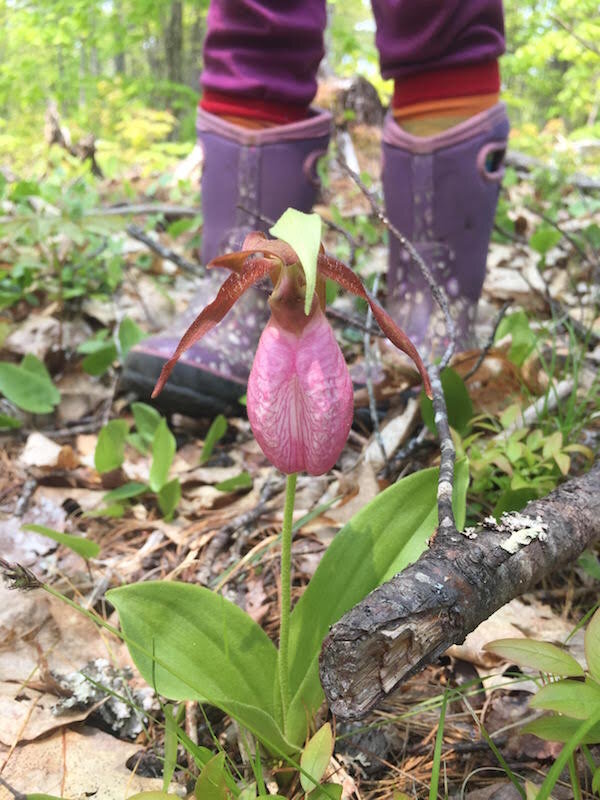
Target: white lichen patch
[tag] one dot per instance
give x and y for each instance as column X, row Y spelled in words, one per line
column 523, row 530
column 120, row 706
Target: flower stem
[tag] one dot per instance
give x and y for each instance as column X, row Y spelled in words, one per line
column 286, row 593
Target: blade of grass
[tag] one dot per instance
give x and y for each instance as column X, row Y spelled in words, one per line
column 437, row 751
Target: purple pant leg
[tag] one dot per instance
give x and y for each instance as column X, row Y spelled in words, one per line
column 426, row 35
column 267, row 49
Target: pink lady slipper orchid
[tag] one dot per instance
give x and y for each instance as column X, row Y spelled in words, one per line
column 299, row 400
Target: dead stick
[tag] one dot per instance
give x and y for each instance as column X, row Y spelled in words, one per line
column 165, row 252
column 408, row 622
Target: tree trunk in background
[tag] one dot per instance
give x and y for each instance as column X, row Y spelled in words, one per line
column 174, row 43
column 83, row 73
column 194, row 50
column 119, row 57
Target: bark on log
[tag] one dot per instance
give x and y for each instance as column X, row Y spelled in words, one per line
column 408, row 622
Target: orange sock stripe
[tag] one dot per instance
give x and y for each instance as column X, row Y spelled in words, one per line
column 447, row 107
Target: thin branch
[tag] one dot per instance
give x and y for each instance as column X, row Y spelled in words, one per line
column 446, row 523
column 15, row 793
column 164, row 252
column 490, row 342
column 354, row 322
column 140, row 209
column 564, row 234
column 575, row 35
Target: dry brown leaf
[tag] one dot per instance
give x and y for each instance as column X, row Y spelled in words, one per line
column 36, row 335
column 27, row 713
column 77, row 764
column 39, row 632
column 80, row 395
column 39, row 451
column 517, row 619
column 394, row 432
column 360, row 487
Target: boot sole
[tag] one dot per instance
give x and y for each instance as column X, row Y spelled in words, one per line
column 189, row 390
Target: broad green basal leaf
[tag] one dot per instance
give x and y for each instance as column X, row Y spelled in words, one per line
column 29, row 386
column 572, row 698
column 592, row 645
column 381, row 540
column 315, row 758
column 543, row 656
column 302, row 232
column 554, row 728
column 213, row 650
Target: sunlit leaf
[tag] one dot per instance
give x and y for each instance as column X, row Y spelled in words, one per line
column 572, row 698
column 315, row 757
column 110, row 448
column 217, row 430
column 169, row 496
column 235, row 484
column 543, row 656
column 592, row 645
column 83, row 547
column 29, row 386
column 163, row 450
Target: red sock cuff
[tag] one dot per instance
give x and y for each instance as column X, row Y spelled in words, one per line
column 461, row 81
column 252, row 107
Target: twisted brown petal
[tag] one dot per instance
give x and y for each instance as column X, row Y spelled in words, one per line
column 231, row 291
column 332, row 268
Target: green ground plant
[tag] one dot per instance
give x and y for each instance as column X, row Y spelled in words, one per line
column 571, row 695
column 151, row 434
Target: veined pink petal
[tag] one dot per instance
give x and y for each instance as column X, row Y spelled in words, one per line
column 299, row 400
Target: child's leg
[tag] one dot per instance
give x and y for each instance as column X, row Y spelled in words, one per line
column 443, row 146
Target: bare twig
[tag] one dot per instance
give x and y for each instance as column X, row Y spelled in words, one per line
column 575, row 35
column 220, row 541
column 15, row 793
column 29, row 488
column 354, row 322
column 490, row 342
column 165, row 252
column 446, row 524
column 141, row 209
column 565, row 234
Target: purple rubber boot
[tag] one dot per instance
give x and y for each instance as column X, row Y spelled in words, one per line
column 441, row 193
column 246, row 174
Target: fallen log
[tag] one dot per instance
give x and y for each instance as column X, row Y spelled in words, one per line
column 457, row 583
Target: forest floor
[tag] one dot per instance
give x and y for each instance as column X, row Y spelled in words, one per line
column 63, row 736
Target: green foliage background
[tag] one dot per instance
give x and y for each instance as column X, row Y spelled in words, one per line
column 127, row 70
